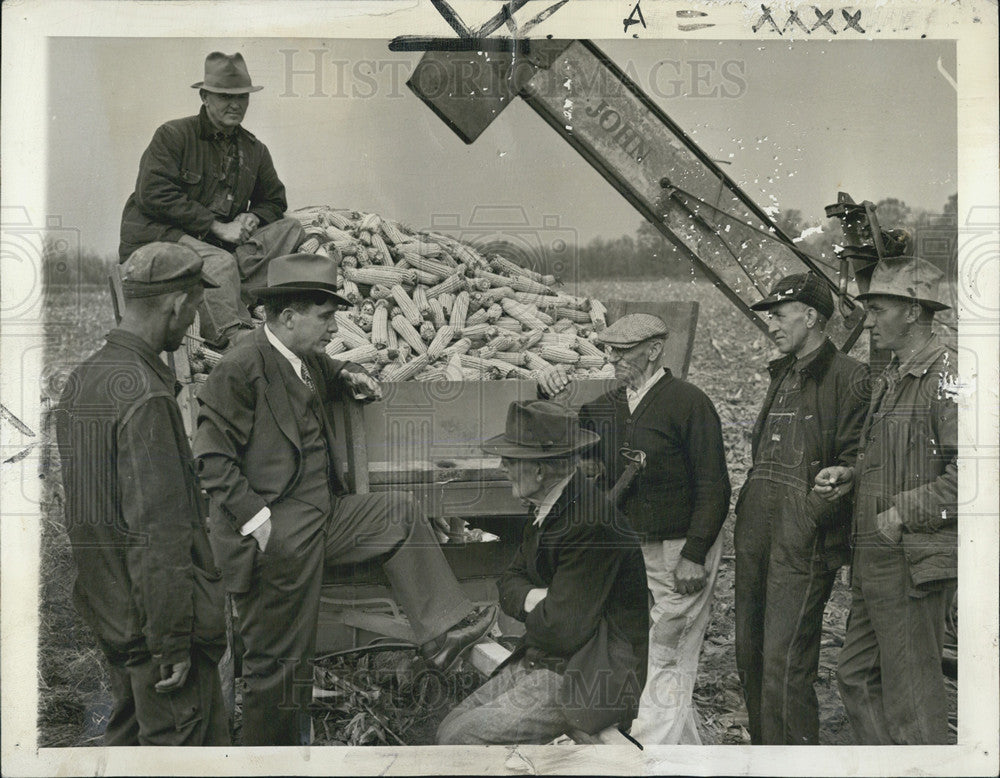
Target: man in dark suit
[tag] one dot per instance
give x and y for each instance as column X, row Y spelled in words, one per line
column 279, row 512
column 577, row 582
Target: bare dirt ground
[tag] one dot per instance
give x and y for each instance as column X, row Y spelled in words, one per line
column 377, row 701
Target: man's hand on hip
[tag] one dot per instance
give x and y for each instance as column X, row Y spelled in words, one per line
column 262, row 534
column 173, row 676
column 689, row 577
column 234, row 232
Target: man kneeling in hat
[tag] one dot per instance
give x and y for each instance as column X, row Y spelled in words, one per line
column 577, row 582
column 905, row 560
column 206, row 182
column 279, row 512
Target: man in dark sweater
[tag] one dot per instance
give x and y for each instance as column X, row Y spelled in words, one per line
column 677, row 505
column 206, row 182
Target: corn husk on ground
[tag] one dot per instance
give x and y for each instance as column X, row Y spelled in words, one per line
column 429, row 307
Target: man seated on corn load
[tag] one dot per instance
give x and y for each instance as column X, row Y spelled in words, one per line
column 578, row 583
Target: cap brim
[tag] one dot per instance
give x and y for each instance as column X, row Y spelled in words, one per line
column 767, row 302
column 934, row 305
column 236, row 90
column 268, row 292
column 499, row 446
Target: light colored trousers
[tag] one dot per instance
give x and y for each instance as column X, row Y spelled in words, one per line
column 677, row 629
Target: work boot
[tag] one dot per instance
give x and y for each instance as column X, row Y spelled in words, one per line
column 443, row 652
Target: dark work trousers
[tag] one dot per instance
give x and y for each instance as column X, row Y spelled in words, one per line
column 782, row 587
column 890, row 666
column 279, row 614
column 194, row 715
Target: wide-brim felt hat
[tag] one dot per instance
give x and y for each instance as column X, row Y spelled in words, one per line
column 539, row 429
column 226, row 74
column 806, row 288
column 910, row 278
column 292, row 273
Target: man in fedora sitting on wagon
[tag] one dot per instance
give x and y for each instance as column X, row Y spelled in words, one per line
column 206, row 182
column 578, row 583
column 279, row 512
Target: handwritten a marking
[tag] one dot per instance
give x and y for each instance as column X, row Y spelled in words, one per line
column 853, row 20
column 766, row 18
column 633, row 20
column 823, row 20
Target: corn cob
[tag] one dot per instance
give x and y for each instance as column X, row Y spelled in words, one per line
column 381, row 292
column 381, row 251
column 406, row 305
column 441, row 339
column 346, row 261
column 496, row 294
column 579, row 317
column 427, row 279
column 535, row 361
column 338, row 219
column 563, row 339
column 450, row 285
column 508, row 323
column 460, row 346
column 347, row 247
column 479, row 331
column 350, row 332
column 365, row 353
column 364, row 320
column 392, row 339
column 477, row 317
column 380, row 275
column 401, row 372
column 209, row 357
column 521, row 373
column 437, row 312
column 383, row 356
column 564, row 325
column 598, row 314
column 405, row 330
column 421, row 301
column 550, row 300
column 591, row 361
column 520, row 312
column 559, row 354
column 427, row 331
column 438, row 269
column 531, row 338
column 421, row 247
column 309, row 245
column 392, row 233
column 506, row 267
column 459, row 309
column 335, row 346
column 447, row 300
column 351, row 292
column 513, row 357
column 504, row 341
column 380, row 325
column 466, row 254
column 475, row 362
column 370, row 222
column 587, row 348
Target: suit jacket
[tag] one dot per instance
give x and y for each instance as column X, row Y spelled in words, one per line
column 593, row 625
column 683, row 492
column 248, row 445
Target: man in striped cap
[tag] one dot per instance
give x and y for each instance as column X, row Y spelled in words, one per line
column 677, row 504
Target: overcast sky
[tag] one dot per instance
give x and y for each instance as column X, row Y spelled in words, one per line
column 798, row 122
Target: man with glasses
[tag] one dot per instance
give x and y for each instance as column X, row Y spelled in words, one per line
column 206, row 182
column 677, row 504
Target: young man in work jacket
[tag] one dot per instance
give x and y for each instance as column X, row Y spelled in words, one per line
column 279, row 514
column 677, row 505
column 578, row 584
column 904, row 569
column 208, row 183
column 790, row 542
column 146, row 581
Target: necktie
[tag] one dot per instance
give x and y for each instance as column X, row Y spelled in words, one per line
column 306, row 377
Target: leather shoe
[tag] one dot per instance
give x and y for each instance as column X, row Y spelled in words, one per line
column 443, row 652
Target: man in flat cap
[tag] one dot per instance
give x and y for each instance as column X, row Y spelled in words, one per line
column 206, row 182
column 279, row 511
column 905, row 482
column 146, row 582
column 677, row 504
column 789, row 541
column 578, row 584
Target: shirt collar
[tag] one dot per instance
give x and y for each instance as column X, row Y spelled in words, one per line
column 635, row 397
column 550, row 499
column 282, row 349
column 920, row 362
column 802, row 362
column 132, row 342
column 209, row 131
